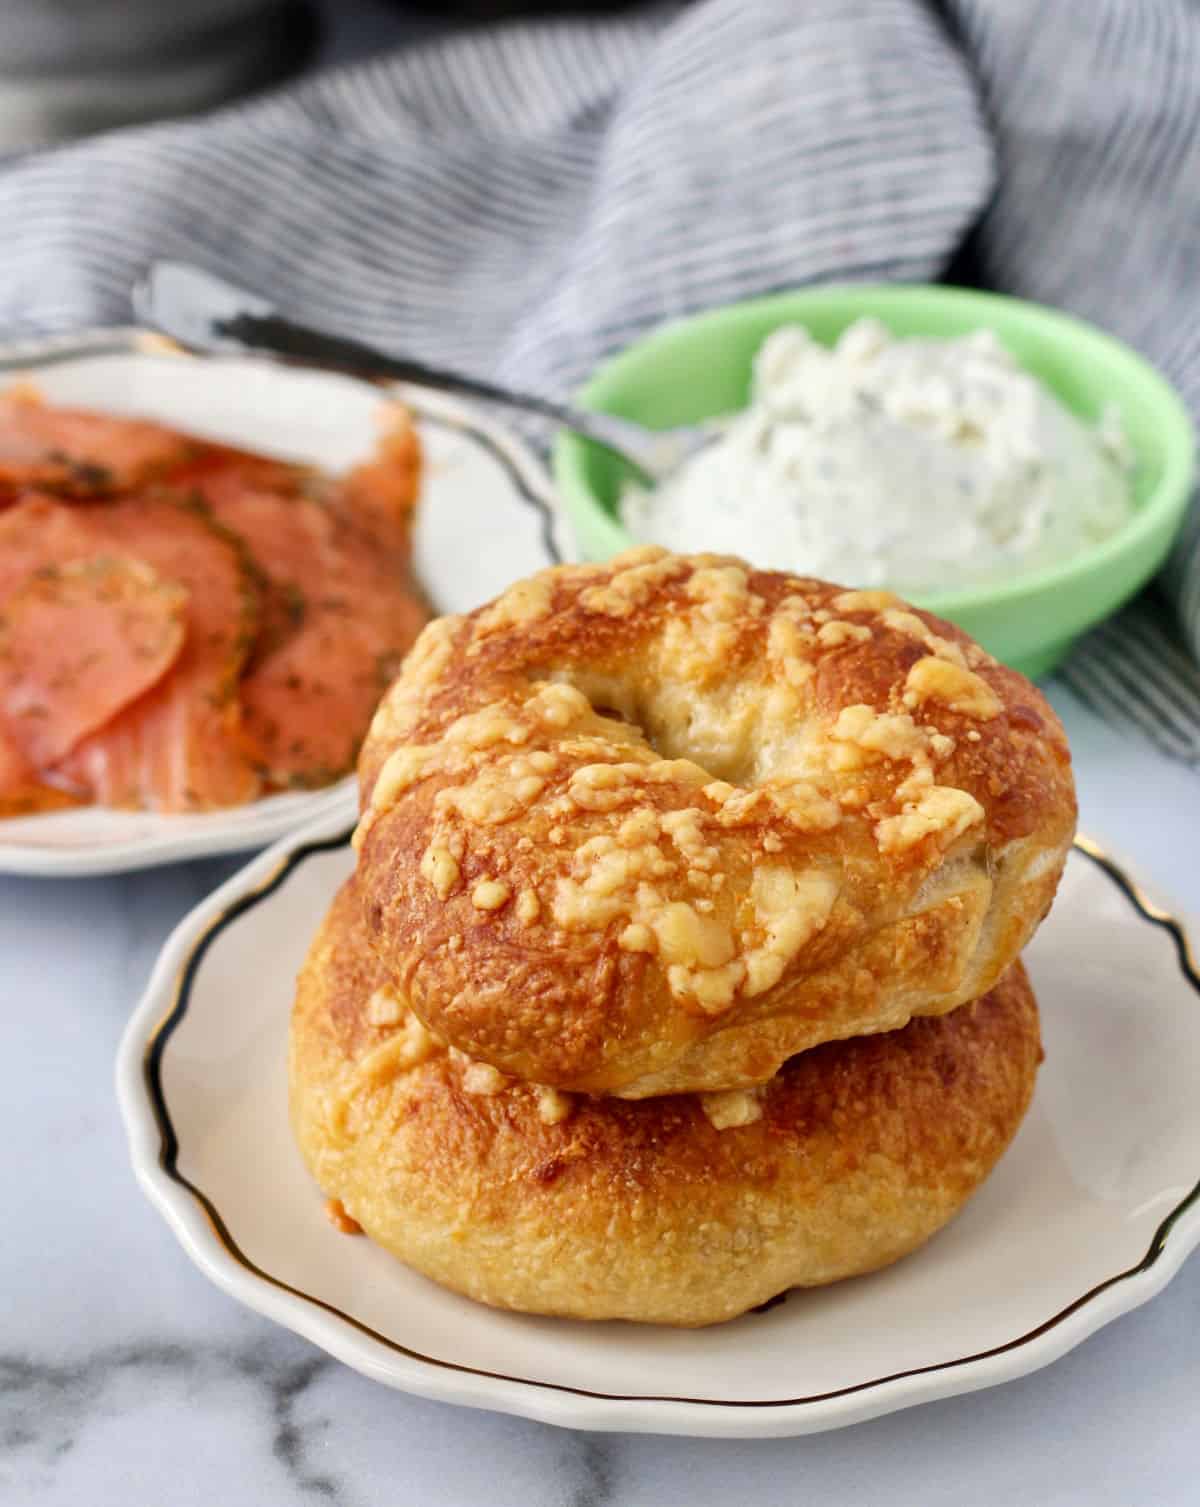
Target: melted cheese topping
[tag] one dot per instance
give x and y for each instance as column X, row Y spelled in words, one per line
column 732, row 1108
column 962, row 690
column 553, row 1106
column 483, row 1079
column 940, row 811
column 522, row 604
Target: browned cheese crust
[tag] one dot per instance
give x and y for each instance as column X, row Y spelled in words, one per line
column 656, row 826
column 530, row 1199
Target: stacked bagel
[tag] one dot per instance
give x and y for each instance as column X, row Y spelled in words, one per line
column 680, row 965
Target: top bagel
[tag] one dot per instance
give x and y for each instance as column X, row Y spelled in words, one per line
column 655, row 826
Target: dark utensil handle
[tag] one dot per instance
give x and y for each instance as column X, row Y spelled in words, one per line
column 294, row 342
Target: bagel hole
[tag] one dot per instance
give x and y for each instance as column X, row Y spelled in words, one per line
column 612, row 714
column 718, row 729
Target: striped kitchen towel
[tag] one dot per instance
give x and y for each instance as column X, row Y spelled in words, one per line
column 525, row 200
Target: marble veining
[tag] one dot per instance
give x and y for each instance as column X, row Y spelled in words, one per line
column 48, row 1407
column 592, row 1454
column 52, row 1413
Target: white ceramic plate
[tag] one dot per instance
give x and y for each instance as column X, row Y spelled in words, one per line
column 1089, row 1214
column 485, row 518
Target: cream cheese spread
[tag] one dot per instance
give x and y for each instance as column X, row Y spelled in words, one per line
column 923, row 464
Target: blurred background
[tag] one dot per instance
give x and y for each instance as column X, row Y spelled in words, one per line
column 69, row 67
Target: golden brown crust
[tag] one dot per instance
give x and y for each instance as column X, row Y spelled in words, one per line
column 658, row 825
column 613, row 1209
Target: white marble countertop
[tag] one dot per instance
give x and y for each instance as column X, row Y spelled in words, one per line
column 126, row 1379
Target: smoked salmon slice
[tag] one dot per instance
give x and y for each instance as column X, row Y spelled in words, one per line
column 78, row 642
column 15, row 769
column 341, row 613
column 79, row 454
column 41, row 531
column 21, row 790
column 181, row 745
column 218, row 478
column 382, row 492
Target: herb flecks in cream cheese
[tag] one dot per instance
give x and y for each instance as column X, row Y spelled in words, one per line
column 923, row 463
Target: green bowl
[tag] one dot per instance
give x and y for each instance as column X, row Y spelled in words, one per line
column 699, row 368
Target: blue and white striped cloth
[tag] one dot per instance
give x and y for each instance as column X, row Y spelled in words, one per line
column 524, row 200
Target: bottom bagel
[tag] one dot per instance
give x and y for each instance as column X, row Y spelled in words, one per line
column 852, row 1156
